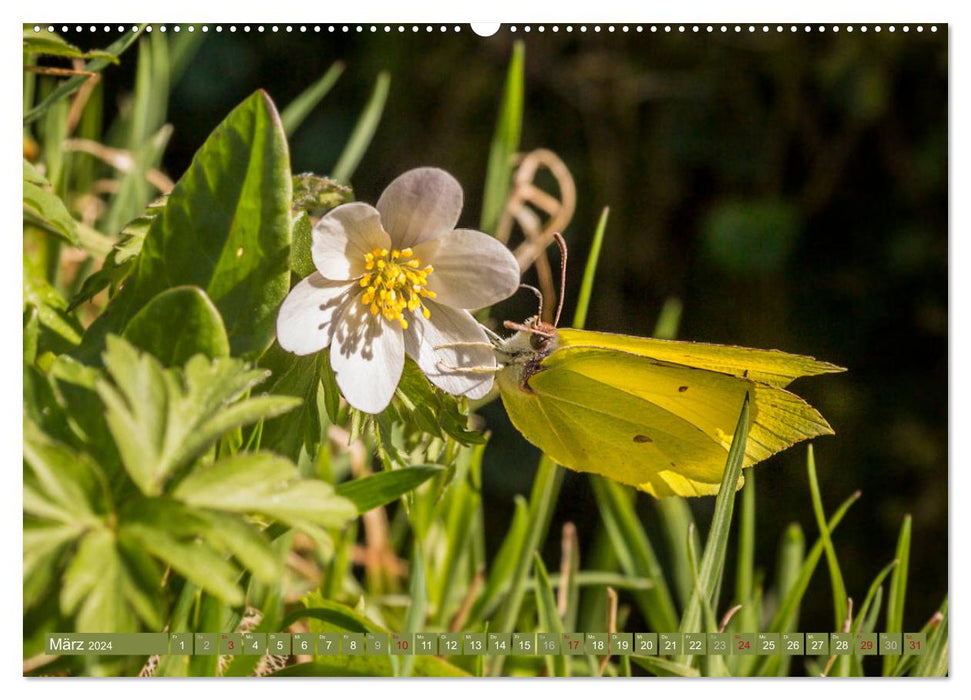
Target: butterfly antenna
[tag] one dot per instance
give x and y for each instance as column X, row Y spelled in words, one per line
column 539, row 295
column 559, row 306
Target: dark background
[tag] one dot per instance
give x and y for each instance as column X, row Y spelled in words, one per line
column 789, row 188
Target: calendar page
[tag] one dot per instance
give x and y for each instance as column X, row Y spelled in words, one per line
column 591, row 349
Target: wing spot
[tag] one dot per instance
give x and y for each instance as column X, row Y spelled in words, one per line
column 682, row 389
column 674, row 465
column 642, row 439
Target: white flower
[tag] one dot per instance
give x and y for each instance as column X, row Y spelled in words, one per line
column 398, row 279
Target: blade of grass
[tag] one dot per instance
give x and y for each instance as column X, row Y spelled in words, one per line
column 503, row 564
column 744, row 573
column 712, row 665
column 549, row 619
column 364, row 130
column 716, row 545
column 676, row 518
column 898, row 589
column 835, row 575
column 867, row 617
column 634, row 551
column 791, row 553
column 660, row 666
column 298, row 110
column 590, row 271
column 68, row 87
column 505, row 142
column 466, row 501
column 934, row 662
column 418, row 592
column 788, row 612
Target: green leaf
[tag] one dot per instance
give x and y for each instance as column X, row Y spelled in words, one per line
column 68, row 87
column 121, row 259
column 52, row 312
column 246, row 542
column 505, row 141
column 64, row 485
column 100, row 589
column 716, row 545
column 298, row 110
column 193, row 559
column 387, row 486
column 267, row 484
column 364, row 130
column 162, row 420
column 299, row 378
column 177, row 324
column 225, row 228
column 44, row 208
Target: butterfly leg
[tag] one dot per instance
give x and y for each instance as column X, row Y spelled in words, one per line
column 467, row 344
column 481, row 369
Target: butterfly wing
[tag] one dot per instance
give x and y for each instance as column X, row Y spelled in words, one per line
column 769, row 366
column 662, row 427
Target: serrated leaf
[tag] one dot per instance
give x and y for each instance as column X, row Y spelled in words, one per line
column 297, row 377
column 52, row 312
column 167, row 531
column 44, row 208
column 267, row 484
column 177, row 324
column 162, row 420
column 246, row 543
column 387, row 486
column 95, row 587
column 65, row 485
column 225, row 228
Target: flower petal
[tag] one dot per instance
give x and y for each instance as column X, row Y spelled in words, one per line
column 419, row 205
column 472, row 270
column 367, row 356
column 342, row 238
column 303, row 324
column 423, row 341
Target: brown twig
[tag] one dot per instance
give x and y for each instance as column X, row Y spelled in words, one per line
column 611, row 626
column 568, row 543
column 847, row 623
column 462, row 613
column 727, row 617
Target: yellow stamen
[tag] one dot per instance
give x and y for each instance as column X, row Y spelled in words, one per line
column 396, row 282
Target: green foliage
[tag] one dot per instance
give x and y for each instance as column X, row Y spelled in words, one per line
column 44, row 208
column 237, row 252
column 182, row 472
column 97, row 64
column 505, row 141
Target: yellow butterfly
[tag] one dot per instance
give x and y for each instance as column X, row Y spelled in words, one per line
column 655, row 414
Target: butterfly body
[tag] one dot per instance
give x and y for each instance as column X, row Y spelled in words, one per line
column 655, row 414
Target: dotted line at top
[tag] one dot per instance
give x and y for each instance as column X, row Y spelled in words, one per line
column 414, row 28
